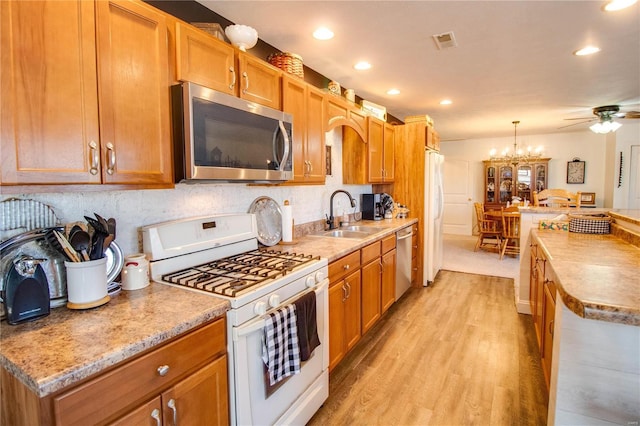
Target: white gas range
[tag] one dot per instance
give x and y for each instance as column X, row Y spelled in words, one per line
column 219, row 255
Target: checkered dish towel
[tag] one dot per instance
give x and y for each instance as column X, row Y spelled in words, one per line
column 280, row 348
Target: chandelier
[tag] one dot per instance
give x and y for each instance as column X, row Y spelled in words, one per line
column 516, row 156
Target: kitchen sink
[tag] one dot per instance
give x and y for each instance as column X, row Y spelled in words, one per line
column 354, row 231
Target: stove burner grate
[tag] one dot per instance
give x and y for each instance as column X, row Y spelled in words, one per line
column 232, row 275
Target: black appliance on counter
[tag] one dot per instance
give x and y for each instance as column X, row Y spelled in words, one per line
column 26, row 291
column 372, row 208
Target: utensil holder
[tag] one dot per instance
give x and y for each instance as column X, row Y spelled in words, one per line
column 87, row 284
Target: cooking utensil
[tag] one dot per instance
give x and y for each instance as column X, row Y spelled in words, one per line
column 81, row 242
column 103, row 222
column 57, row 240
column 112, row 227
column 96, row 225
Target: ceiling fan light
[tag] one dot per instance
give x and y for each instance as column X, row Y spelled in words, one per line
column 614, row 5
column 323, row 33
column 605, row 127
column 589, row 50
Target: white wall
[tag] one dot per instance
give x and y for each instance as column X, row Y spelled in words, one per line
column 133, row 209
column 560, row 147
column 626, row 136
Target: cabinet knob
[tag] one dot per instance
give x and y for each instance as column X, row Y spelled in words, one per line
column 163, row 370
column 346, row 267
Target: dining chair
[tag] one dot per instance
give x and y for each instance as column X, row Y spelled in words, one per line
column 487, row 229
column 556, row 198
column 510, row 233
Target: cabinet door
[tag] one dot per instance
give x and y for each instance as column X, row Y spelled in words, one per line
column 547, row 344
column 337, row 325
column 506, row 183
column 371, row 289
column 352, row 310
column 375, row 146
column 538, row 316
column 148, row 414
column 133, row 93
column 48, row 102
column 315, row 148
column 259, row 81
column 388, row 280
column 294, row 101
column 203, row 59
column 490, row 184
column 389, row 157
column 200, row 399
column 541, row 177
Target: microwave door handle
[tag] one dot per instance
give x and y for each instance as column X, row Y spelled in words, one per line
column 285, row 136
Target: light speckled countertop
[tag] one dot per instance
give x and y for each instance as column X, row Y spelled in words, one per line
column 67, row 346
column 598, row 276
column 70, row 345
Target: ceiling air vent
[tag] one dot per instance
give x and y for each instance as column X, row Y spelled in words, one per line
column 445, row 40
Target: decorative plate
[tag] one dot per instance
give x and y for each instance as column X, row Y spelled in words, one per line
column 268, row 220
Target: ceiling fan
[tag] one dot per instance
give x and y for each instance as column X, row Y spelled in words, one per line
column 605, row 116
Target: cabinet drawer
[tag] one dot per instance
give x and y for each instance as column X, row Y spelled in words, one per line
column 388, row 243
column 344, row 265
column 132, row 382
column 370, row 252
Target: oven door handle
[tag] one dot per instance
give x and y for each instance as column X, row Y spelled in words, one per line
column 258, row 324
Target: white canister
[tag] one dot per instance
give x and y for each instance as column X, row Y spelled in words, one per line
column 87, row 283
column 350, row 94
column 135, row 272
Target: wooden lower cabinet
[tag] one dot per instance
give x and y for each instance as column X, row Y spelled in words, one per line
column 542, row 294
column 344, row 317
column 388, row 296
column 199, row 399
column 371, row 285
column 186, row 377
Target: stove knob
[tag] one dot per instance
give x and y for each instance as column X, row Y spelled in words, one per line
column 320, row 276
column 310, row 281
column 274, row 300
column 260, row 308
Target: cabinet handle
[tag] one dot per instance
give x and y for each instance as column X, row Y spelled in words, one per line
column 156, row 415
column 233, row 78
column 344, row 293
column 172, row 404
column 349, row 290
column 163, row 370
column 551, row 327
column 246, row 82
column 111, row 158
column 94, row 154
column 381, row 268
column 346, row 267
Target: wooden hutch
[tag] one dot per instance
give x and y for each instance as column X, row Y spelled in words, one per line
column 504, row 180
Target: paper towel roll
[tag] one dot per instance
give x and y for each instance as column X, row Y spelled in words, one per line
column 287, row 222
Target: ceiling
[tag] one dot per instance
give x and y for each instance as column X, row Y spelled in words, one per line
column 513, row 59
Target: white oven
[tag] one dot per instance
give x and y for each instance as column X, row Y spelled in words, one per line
column 219, row 255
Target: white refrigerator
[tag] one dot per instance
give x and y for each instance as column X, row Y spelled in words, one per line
column 433, row 212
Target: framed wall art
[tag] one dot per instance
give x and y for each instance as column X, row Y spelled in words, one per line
column 587, row 198
column 575, row 171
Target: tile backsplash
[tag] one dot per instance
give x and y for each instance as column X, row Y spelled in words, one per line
column 133, row 209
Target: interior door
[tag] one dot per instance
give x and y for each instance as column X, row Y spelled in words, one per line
column 458, row 186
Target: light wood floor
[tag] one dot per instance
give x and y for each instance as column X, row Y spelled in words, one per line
column 455, row 353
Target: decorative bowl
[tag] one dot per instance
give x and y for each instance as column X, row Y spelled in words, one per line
column 242, row 36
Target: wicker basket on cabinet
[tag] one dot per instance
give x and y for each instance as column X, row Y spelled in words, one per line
column 288, row 62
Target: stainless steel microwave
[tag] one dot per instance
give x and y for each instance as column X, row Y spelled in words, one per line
column 219, row 137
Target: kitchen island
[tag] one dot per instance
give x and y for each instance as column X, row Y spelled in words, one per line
column 595, row 367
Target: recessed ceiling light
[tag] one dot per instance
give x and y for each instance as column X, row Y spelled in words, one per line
column 323, row 33
column 614, row 5
column 393, row 92
column 362, row 65
column 589, row 50
column 446, row 102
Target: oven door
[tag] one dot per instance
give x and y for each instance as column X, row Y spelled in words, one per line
column 299, row 396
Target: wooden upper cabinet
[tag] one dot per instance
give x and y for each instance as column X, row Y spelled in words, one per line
column 375, row 150
column 49, row 104
column 389, row 156
column 205, row 60
column 341, row 112
column 66, row 120
column 133, row 93
column 259, row 82
column 306, row 104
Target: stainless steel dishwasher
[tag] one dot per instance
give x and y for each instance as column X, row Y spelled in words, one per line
column 403, row 261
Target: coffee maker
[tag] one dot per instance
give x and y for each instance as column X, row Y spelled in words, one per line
column 372, row 208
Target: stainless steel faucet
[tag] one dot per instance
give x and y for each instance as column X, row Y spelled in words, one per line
column 330, row 218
